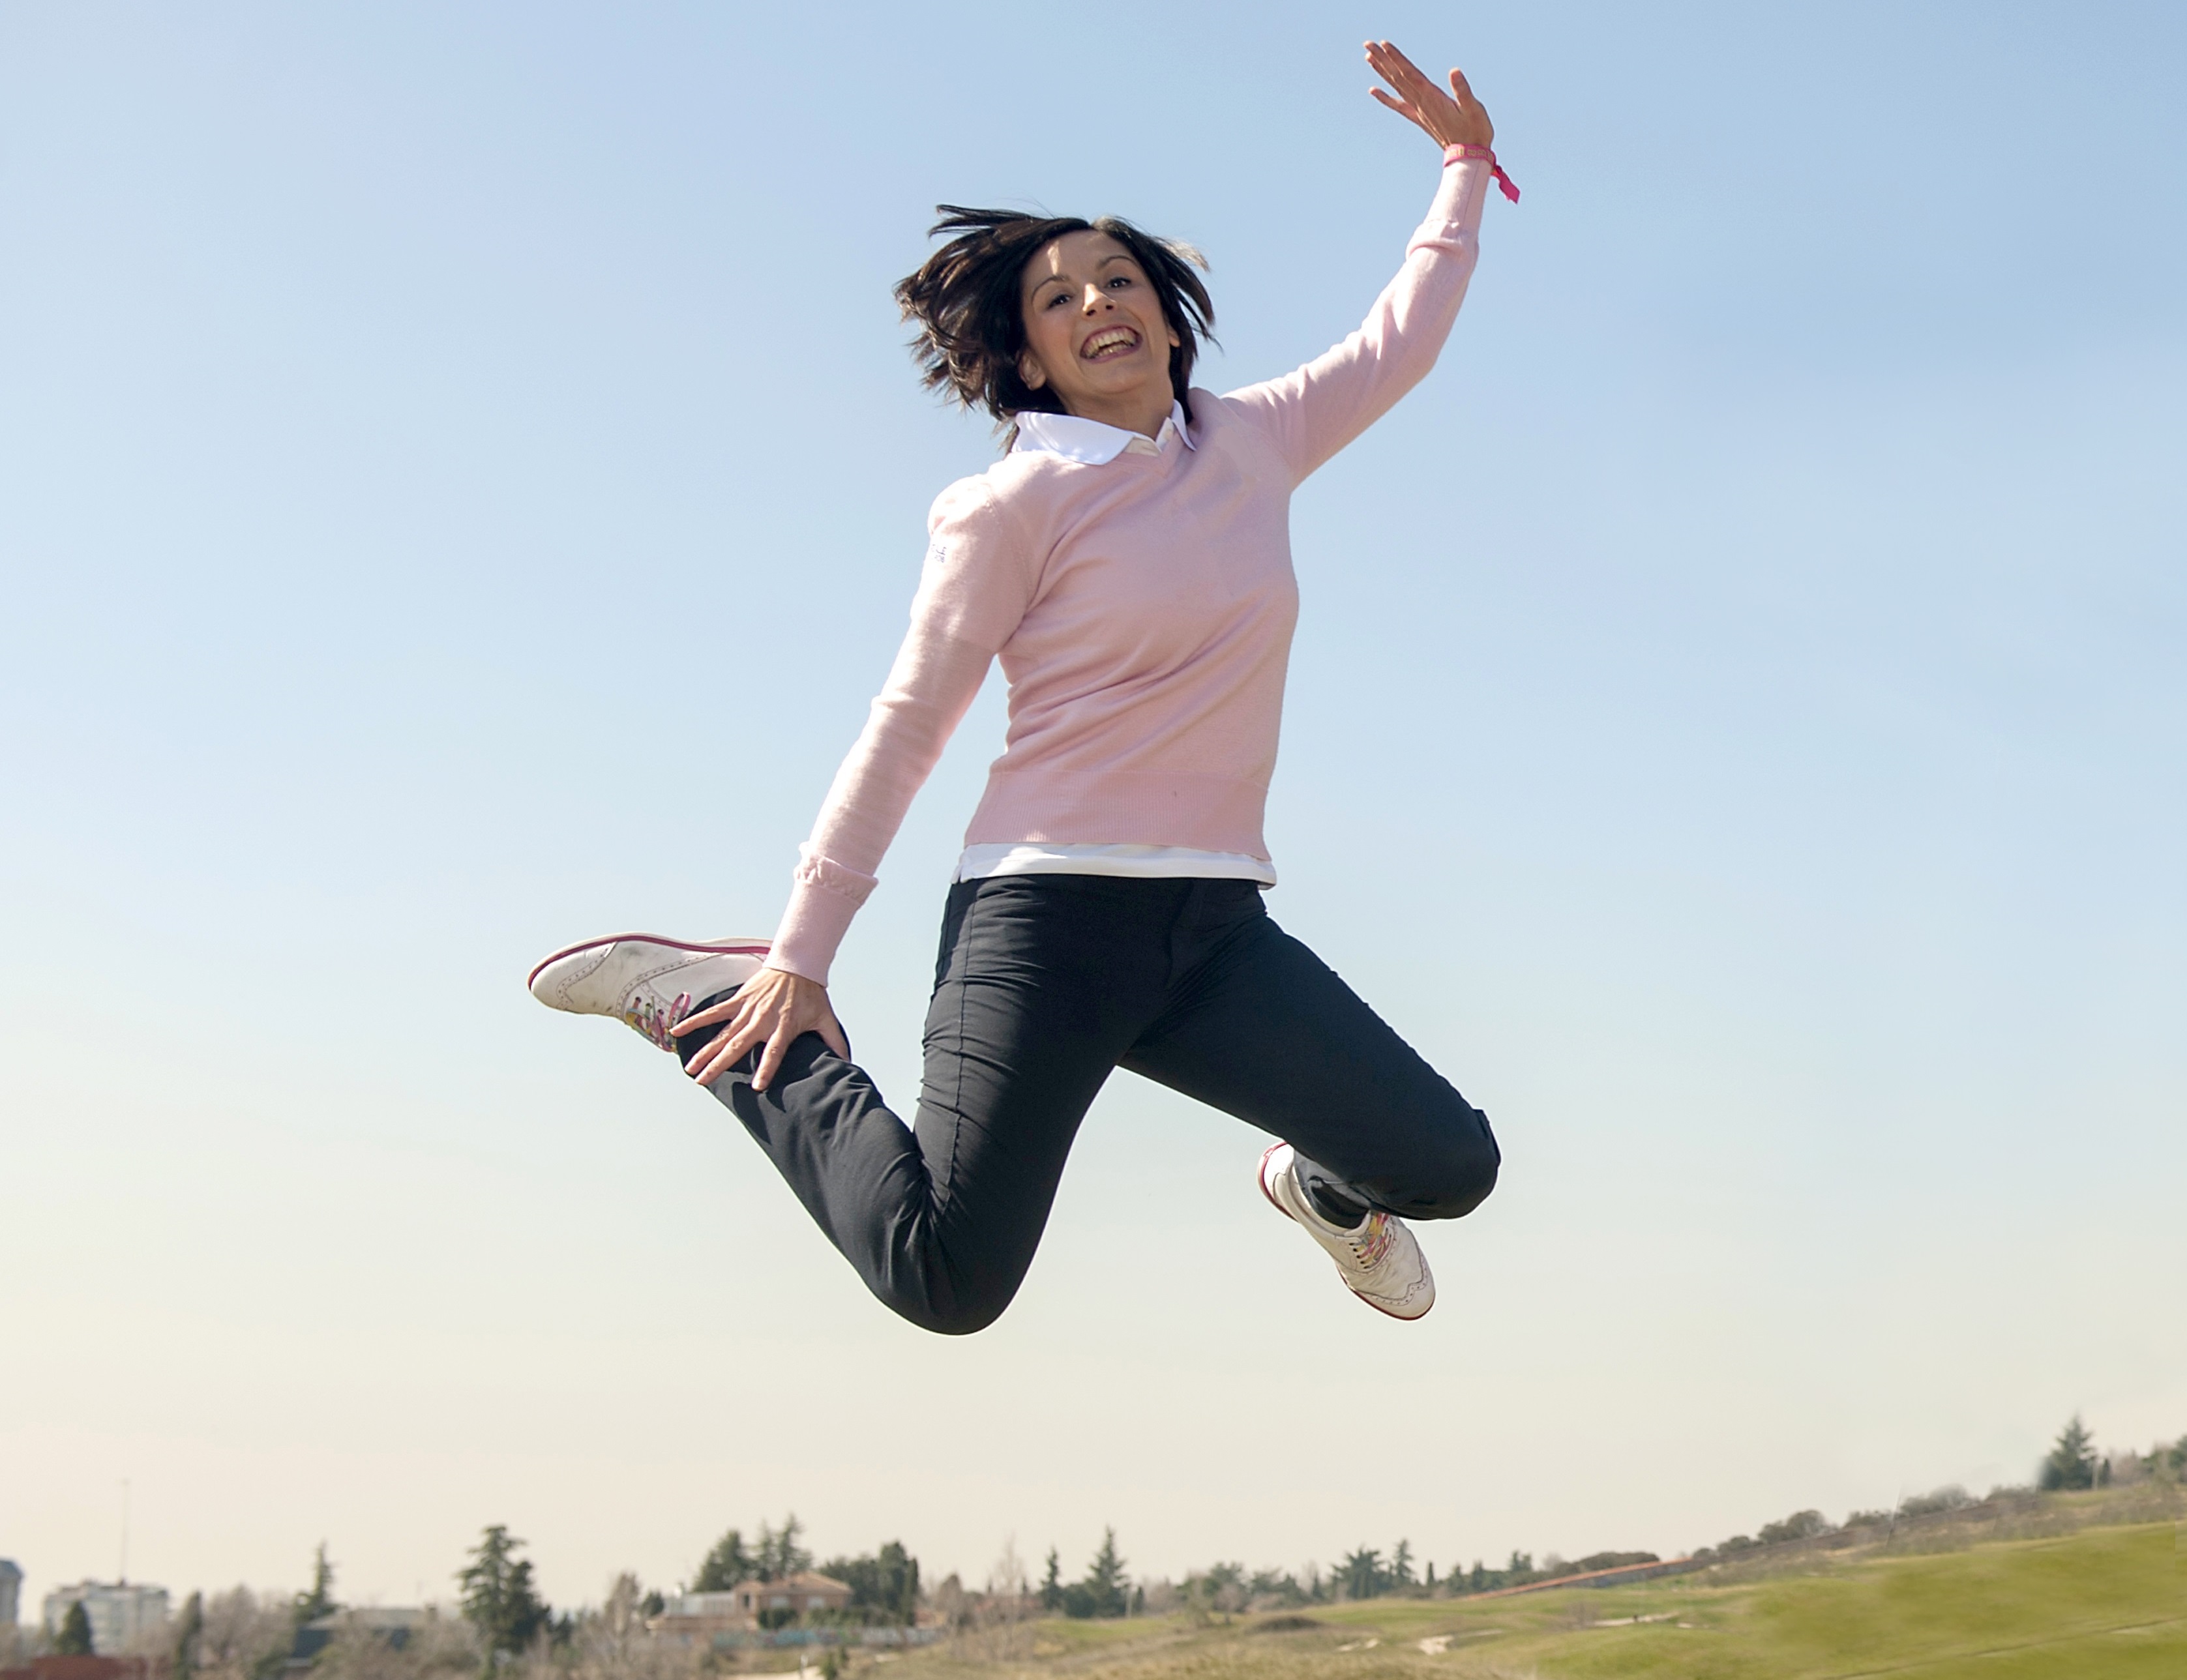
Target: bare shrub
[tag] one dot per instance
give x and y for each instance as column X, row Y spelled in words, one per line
column 245, row 1635
column 612, row 1644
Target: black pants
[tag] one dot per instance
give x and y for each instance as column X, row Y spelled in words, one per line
column 1044, row 984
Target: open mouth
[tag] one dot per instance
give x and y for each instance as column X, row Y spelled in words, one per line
column 1108, row 344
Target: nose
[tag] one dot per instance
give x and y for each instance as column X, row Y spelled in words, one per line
column 1096, row 301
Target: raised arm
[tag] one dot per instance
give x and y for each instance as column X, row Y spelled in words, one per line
column 1314, row 411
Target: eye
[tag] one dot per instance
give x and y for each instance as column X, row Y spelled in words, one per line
column 1116, row 280
column 1054, row 298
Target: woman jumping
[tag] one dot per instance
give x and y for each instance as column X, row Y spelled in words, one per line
column 1128, row 559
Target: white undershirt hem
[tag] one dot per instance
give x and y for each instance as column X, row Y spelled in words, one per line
column 1147, row 862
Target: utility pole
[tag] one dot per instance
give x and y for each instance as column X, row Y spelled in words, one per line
column 123, row 1580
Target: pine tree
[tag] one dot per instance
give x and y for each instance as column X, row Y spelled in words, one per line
column 1400, row 1564
column 74, row 1639
column 499, row 1596
column 320, row 1600
column 778, row 1556
column 1051, row 1583
column 2073, row 1460
column 728, row 1565
column 1103, row 1592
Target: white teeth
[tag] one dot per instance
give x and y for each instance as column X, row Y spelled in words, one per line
column 1119, row 338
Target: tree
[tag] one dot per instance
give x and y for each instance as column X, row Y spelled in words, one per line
column 1361, row 1574
column 778, row 1556
column 499, row 1596
column 1800, row 1526
column 188, row 1631
column 1278, row 1584
column 1102, row 1593
column 2073, row 1460
column 74, row 1639
column 884, row 1586
column 1400, row 1564
column 320, row 1600
column 728, row 1565
column 1051, row 1585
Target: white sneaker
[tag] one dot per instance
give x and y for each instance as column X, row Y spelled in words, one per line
column 1379, row 1259
column 646, row 982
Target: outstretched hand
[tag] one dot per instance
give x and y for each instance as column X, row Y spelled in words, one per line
column 1451, row 119
column 772, row 1008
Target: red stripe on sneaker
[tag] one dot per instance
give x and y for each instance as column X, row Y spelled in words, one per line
column 1260, row 1177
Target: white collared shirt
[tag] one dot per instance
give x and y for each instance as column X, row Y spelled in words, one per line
column 1094, row 443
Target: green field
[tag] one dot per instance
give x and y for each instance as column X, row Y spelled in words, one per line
column 2105, row 1602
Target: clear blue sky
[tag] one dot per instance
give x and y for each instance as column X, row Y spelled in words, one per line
column 461, row 482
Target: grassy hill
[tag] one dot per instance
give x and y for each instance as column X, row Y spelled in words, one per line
column 2100, row 1603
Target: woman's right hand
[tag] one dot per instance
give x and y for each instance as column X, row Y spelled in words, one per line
column 1451, row 119
column 774, row 1006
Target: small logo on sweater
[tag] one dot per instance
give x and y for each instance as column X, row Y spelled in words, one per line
column 938, row 554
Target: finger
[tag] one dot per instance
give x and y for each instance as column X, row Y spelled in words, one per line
column 707, row 1017
column 1391, row 70
column 1461, row 89
column 1403, row 66
column 831, row 1034
column 735, row 1045
column 711, row 1065
column 1397, row 105
column 1388, row 61
column 739, row 1044
column 1417, row 92
column 771, row 1059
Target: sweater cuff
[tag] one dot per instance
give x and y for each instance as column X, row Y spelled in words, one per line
column 1454, row 219
column 826, row 898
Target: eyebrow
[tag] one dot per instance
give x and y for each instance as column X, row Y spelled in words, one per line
column 1065, row 279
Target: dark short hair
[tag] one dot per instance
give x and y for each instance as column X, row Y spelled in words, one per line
column 965, row 301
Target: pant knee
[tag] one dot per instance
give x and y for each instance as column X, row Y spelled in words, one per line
column 1459, row 1174
column 961, row 1315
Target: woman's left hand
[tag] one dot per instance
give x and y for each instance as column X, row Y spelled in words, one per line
column 1451, row 119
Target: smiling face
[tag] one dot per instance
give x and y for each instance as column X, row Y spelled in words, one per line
column 1095, row 334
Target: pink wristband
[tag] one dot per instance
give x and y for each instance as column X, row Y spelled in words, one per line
column 1458, row 154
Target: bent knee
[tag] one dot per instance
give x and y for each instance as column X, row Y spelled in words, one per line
column 1458, row 1176
column 958, row 1315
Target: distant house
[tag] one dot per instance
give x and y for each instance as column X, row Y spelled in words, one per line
column 118, row 1611
column 11, row 1589
column 389, row 1624
column 696, row 1617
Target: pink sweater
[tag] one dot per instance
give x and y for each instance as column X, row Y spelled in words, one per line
column 1142, row 609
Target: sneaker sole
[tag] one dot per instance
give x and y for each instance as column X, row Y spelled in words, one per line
column 1260, row 1177
column 734, row 947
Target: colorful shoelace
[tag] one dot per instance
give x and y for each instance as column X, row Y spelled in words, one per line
column 656, row 1023
column 1373, row 1243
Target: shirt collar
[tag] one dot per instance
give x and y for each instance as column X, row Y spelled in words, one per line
column 1094, row 442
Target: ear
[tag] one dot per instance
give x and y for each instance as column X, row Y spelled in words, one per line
column 1031, row 371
